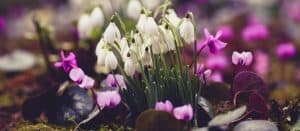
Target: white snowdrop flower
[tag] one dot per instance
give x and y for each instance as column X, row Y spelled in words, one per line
column 106, row 6
column 146, row 56
column 151, row 28
column 186, row 30
column 111, row 61
column 84, row 26
column 154, row 42
column 129, row 67
column 169, row 38
column 124, row 46
column 147, row 26
column 101, row 52
column 142, row 22
column 151, row 4
column 97, row 18
column 134, row 9
column 112, row 33
column 172, row 17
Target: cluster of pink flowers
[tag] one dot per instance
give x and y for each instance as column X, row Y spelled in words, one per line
column 108, row 99
column 184, row 112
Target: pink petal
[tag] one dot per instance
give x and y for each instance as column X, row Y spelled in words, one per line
column 58, row 64
column 219, row 34
column 206, row 33
column 76, row 74
column 248, row 58
column 220, row 45
column 235, row 57
column 87, row 82
column 70, row 57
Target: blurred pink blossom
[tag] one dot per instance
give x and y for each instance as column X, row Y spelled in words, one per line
column 184, row 112
column 262, row 63
column 161, row 106
column 285, row 50
column 213, row 42
column 108, row 99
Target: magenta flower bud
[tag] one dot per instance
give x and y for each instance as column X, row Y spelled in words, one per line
column 213, row 42
column 227, row 33
column 184, row 112
column 255, row 32
column 167, row 106
column 67, row 62
column 108, row 99
column 285, row 50
column 115, row 81
column 243, row 58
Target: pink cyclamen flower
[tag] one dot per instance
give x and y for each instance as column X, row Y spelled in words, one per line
column 108, row 99
column 244, row 58
column 213, row 42
column 67, row 62
column 184, row 112
column 201, row 72
column 255, row 32
column 82, row 80
column 285, row 50
column 161, row 106
column 115, row 81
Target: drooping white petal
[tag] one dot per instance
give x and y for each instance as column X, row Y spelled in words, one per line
column 146, row 56
column 169, row 38
column 187, row 32
column 101, row 56
column 129, row 67
column 112, row 33
column 172, row 17
column 235, row 57
column 134, row 9
column 97, row 18
column 142, row 22
column 111, row 61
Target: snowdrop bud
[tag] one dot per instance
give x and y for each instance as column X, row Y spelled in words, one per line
column 97, row 18
column 146, row 56
column 172, row 17
column 151, row 28
column 124, row 46
column 101, row 53
column 151, row 4
column 186, row 30
column 111, row 61
column 169, row 38
column 134, row 8
column 129, row 67
column 244, row 58
column 84, row 26
column 112, row 33
column 142, row 22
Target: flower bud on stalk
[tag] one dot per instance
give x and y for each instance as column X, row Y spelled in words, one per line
column 134, row 8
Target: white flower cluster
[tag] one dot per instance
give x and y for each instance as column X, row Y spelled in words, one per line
column 149, row 38
column 95, row 20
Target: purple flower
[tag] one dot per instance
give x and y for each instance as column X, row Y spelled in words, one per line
column 244, row 58
column 216, row 62
column 201, row 72
column 82, row 80
column 213, row 42
column 255, row 32
column 114, row 81
column 285, row 50
column 67, row 62
column 184, row 112
column 108, row 99
column 167, row 106
column 227, row 32
column 262, row 63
